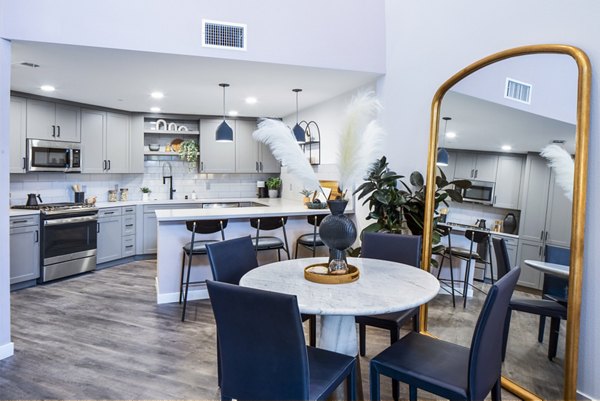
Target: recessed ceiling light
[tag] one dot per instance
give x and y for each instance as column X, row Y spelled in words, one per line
column 450, row 134
column 155, row 109
column 251, row 100
column 47, row 88
column 506, row 147
column 233, row 113
column 157, row 95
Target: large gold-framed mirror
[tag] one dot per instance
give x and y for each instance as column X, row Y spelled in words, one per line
column 448, row 101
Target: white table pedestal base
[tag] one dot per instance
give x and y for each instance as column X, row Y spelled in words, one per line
column 338, row 333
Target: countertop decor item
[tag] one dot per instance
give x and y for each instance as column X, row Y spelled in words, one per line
column 112, row 195
column 145, row 193
column 154, row 147
column 176, row 144
column 161, row 125
column 510, row 223
column 273, row 184
column 319, row 273
column 123, row 194
column 338, row 233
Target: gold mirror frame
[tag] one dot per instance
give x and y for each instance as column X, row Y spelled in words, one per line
column 579, row 197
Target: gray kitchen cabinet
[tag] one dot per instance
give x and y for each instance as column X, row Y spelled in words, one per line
column 149, row 233
column 536, row 182
column 128, row 231
column 104, row 142
column 136, row 144
column 530, row 250
column 558, row 216
column 110, row 226
column 18, row 134
column 216, row 157
column 252, row 156
column 508, row 182
column 24, row 249
column 52, row 121
column 476, row 166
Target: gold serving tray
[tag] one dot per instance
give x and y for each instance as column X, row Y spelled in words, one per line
column 349, row 277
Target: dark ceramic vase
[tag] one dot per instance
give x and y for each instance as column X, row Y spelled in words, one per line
column 337, row 231
column 510, row 223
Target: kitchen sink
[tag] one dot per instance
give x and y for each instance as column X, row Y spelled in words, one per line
column 221, row 205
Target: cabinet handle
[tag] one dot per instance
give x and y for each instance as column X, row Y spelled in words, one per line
column 18, row 221
column 37, row 236
column 104, row 165
column 261, row 166
column 129, row 210
column 472, row 175
column 128, row 225
column 109, row 164
column 541, row 235
column 546, row 236
column 494, row 199
column 540, row 251
column 128, row 246
column 201, row 166
column 257, row 167
column 109, row 213
column 58, row 131
column 98, row 227
column 476, row 173
column 24, row 163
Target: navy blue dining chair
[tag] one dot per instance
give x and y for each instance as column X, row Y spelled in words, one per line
column 394, row 248
column 263, row 353
column 450, row 370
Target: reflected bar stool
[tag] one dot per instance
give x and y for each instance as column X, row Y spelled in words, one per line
column 446, row 231
column 311, row 240
column 196, row 247
column 268, row 243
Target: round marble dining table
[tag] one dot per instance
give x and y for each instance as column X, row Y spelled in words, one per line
column 382, row 287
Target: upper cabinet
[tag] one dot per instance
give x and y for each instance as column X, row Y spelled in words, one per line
column 104, row 142
column 18, row 134
column 449, row 169
column 52, row 121
column 508, row 182
column 216, row 157
column 476, row 166
column 252, row 156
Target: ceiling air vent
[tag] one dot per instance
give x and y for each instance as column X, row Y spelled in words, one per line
column 224, row 35
column 518, row 91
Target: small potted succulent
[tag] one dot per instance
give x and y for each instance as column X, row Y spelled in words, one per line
column 145, row 193
column 273, row 184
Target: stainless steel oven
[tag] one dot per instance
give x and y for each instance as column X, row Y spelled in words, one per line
column 53, row 156
column 69, row 240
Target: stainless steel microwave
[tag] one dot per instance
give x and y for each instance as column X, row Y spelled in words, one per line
column 479, row 192
column 53, row 156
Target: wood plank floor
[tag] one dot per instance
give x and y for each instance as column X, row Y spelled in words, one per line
column 101, row 336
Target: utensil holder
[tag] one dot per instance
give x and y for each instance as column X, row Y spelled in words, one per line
column 79, row 197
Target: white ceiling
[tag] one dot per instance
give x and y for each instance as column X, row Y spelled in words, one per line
column 124, row 80
column 486, row 126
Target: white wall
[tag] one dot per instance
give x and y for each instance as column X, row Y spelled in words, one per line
column 311, row 32
column 429, row 41
column 6, row 346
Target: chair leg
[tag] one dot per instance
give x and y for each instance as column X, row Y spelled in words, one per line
column 312, row 328
column 296, row 251
column 181, row 279
column 541, row 329
column 497, row 391
column 218, row 363
column 412, row 390
column 279, row 254
column 395, row 384
column 374, row 380
column 466, row 283
column 362, row 335
column 187, row 286
column 351, row 384
column 452, row 281
column 554, row 332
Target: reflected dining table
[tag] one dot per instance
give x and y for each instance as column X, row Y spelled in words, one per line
column 382, row 287
column 553, row 269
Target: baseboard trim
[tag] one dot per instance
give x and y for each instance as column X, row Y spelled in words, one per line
column 7, row 350
column 199, row 293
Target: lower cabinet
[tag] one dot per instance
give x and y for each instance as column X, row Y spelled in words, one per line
column 116, row 233
column 533, row 250
column 24, row 249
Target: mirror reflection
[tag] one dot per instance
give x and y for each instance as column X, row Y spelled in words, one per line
column 494, row 125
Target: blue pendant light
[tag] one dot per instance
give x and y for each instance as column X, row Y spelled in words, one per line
column 224, row 131
column 299, row 133
column 442, row 153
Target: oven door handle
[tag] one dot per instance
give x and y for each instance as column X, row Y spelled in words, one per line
column 70, row 220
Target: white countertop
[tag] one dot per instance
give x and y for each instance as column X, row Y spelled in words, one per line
column 274, row 207
column 461, row 229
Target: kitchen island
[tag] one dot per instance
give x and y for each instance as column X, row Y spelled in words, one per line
column 172, row 235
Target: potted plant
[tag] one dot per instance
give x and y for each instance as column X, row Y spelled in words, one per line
column 188, row 151
column 273, row 184
column 145, row 193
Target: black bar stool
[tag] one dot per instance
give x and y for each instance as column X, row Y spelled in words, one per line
column 195, row 247
column 445, row 231
column 268, row 243
column 311, row 240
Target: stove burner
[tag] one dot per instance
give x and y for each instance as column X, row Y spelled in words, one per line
column 56, row 208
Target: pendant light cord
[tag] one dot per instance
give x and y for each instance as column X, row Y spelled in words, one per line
column 224, row 104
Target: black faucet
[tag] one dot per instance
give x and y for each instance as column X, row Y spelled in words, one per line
column 171, row 190
column 168, row 173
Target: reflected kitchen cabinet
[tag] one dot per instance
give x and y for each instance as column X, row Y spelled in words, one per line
column 476, row 166
column 18, row 134
column 508, row 182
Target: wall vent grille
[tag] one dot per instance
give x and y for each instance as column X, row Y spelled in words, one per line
column 518, row 91
column 224, row 35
